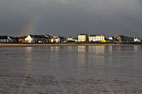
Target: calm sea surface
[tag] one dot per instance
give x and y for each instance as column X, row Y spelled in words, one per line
column 23, row 69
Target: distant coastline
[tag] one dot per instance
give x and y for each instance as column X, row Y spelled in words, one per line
column 63, row 44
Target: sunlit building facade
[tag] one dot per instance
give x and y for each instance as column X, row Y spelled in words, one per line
column 83, row 38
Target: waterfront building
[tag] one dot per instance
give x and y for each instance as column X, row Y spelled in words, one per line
column 62, row 39
column 137, row 40
column 71, row 39
column 83, row 38
column 123, row 39
column 22, row 39
column 4, row 39
column 52, row 39
column 37, row 39
column 111, row 38
column 57, row 39
column 8, row 39
column 97, row 38
column 92, row 38
column 12, row 39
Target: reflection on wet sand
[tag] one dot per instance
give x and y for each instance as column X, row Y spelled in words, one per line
column 94, row 61
column 71, row 70
column 136, row 48
column 110, row 49
column 81, row 58
column 87, row 59
column 55, row 48
column 71, row 48
column 99, row 49
column 99, row 59
column 28, row 60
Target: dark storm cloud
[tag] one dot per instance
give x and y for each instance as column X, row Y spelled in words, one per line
column 71, row 17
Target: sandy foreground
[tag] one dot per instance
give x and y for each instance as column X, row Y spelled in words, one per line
column 22, row 84
column 70, row 44
column 53, row 76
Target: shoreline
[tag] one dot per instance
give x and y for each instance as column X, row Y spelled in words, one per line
column 64, row 44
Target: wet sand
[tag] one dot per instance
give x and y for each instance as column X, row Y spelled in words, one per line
column 71, row 70
column 22, row 84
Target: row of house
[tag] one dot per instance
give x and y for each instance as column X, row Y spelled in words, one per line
column 91, row 38
column 8, row 39
column 124, row 39
column 43, row 39
column 58, row 39
column 101, row 38
column 32, row 39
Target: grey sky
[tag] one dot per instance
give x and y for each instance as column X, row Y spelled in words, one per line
column 72, row 17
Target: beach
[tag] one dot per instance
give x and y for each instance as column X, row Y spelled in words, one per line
column 22, row 84
column 66, row 69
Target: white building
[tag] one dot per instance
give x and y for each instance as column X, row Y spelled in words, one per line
column 82, row 38
column 71, row 39
column 111, row 38
column 137, row 40
column 57, row 40
column 99, row 38
column 36, row 39
column 54, row 39
column 92, row 38
column 96, row 38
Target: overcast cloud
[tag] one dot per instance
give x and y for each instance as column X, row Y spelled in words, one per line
column 72, row 17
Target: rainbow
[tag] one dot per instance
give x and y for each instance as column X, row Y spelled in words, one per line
column 32, row 26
